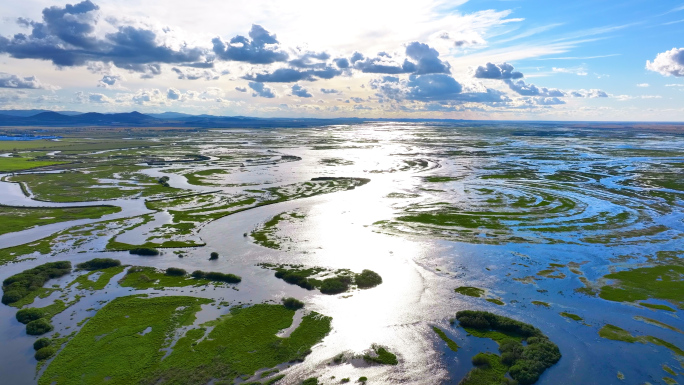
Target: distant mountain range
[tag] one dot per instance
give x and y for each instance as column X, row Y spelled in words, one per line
column 43, row 118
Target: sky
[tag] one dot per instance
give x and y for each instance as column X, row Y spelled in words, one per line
column 581, row 60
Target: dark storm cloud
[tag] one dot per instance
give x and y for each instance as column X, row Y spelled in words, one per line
column 525, row 89
column 300, row 91
column 291, row 75
column 260, row 48
column 497, row 71
column 66, row 38
column 261, row 90
column 433, row 87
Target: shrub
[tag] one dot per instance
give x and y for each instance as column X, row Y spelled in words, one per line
column 176, row 272
column 31, row 314
column 42, row 343
column 38, row 327
column 363, row 379
column 213, row 256
column 334, row 285
column 99, row 263
column 214, row 276
column 480, row 359
column 20, row 285
column 310, row 381
column 295, row 277
column 292, row 303
column 368, row 279
column 384, row 357
column 44, row 353
column 145, row 251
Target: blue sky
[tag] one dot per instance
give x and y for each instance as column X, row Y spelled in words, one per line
column 487, row 59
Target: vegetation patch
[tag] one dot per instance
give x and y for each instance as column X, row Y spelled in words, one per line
column 451, row 344
column 145, row 251
column 310, row 278
column 85, row 282
column 98, row 264
column 292, row 303
column 660, row 282
column 524, row 363
column 470, row 291
column 30, row 281
column 142, row 278
column 380, row 355
column 22, row 218
column 573, row 317
column 615, row 333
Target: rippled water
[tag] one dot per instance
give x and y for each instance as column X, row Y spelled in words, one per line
column 516, row 197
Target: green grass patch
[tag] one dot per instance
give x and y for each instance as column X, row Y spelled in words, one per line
column 11, row 164
column 656, row 306
column 22, row 218
column 11, row 254
column 495, row 301
column 451, row 344
column 470, row 291
column 660, row 282
column 84, row 282
column 573, row 317
column 112, row 347
column 615, row 333
column 142, row 278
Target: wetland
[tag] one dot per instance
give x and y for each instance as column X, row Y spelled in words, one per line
column 377, row 253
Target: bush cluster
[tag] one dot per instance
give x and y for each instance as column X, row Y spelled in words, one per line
column 526, row 363
column 146, row 251
column 99, row 263
column 367, row 279
column 480, row 359
column 176, row 272
column 42, row 343
column 213, row 256
column 30, row 314
column 44, row 353
column 534, row 359
column 335, row 285
column 292, row 303
column 38, row 327
column 295, row 277
column 20, row 285
column 491, row 321
column 214, row 276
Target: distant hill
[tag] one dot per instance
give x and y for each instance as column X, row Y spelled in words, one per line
column 25, row 113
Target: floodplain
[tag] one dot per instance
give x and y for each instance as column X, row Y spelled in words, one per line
column 377, row 253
